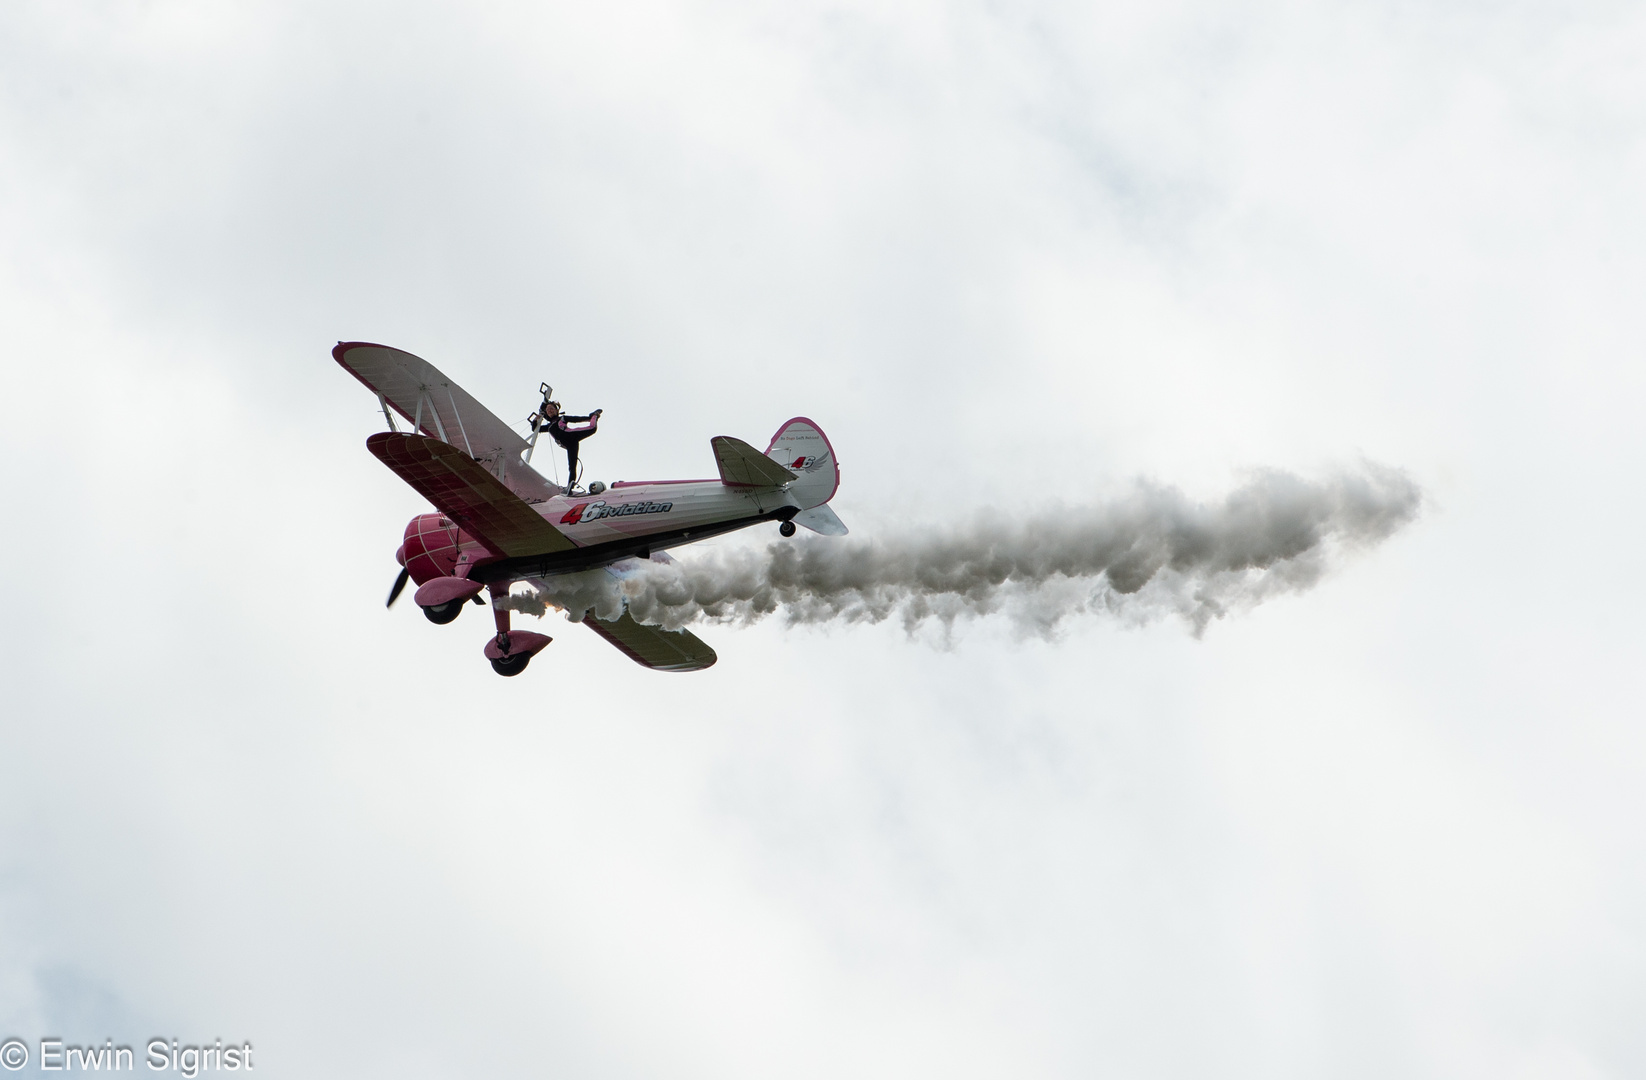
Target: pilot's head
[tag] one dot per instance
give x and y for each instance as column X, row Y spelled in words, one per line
column 551, row 409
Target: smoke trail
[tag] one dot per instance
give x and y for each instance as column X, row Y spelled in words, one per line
column 1151, row 553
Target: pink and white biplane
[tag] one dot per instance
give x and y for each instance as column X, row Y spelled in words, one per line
column 500, row 521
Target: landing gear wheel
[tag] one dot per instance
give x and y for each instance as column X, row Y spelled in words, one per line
column 787, row 528
column 509, row 666
column 441, row 614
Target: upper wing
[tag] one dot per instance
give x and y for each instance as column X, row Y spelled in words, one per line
column 465, row 492
column 741, row 465
column 660, row 650
column 441, row 409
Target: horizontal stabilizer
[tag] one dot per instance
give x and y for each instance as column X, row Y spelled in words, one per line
column 820, row 519
column 650, row 646
column 741, row 465
column 464, row 491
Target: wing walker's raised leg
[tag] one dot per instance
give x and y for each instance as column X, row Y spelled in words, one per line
column 511, row 650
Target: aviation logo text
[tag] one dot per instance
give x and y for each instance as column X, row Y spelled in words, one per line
column 594, row 511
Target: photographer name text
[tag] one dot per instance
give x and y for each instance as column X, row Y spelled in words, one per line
column 160, row 1055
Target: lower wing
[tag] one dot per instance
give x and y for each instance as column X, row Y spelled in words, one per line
column 649, row 646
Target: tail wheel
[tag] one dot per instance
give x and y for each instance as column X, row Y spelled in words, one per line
column 787, row 528
column 510, row 666
column 442, row 614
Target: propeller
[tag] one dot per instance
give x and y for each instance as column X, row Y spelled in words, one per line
column 399, row 586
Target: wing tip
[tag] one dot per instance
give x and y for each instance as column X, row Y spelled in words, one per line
column 343, row 347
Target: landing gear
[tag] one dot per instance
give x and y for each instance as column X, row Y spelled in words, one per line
column 787, row 529
column 509, row 666
column 510, row 652
column 441, row 614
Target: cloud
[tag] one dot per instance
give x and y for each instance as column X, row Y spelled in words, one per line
column 1389, row 830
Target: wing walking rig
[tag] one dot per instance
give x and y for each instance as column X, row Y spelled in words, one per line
column 499, row 521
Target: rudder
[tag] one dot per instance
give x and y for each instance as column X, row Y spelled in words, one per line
column 801, row 447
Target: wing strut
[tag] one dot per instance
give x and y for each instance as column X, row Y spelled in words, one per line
column 458, row 413
column 435, row 409
column 383, row 403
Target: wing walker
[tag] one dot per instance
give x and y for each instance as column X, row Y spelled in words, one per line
column 500, row 521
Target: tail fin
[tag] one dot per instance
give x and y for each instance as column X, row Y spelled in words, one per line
column 801, row 447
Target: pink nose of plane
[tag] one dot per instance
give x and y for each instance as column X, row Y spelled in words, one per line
column 431, row 546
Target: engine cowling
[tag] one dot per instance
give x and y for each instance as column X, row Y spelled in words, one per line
column 432, row 546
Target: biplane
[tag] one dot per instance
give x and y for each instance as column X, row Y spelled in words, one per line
column 498, row 521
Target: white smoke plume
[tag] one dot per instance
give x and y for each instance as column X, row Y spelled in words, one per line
column 1149, row 554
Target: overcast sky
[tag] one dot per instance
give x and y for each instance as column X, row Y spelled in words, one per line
column 1004, row 254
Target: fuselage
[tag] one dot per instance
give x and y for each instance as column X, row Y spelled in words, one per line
column 625, row 520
